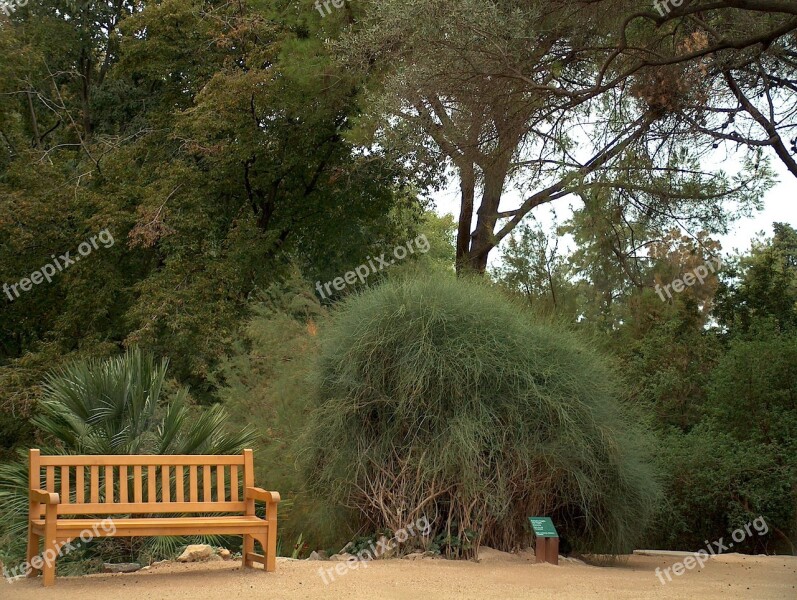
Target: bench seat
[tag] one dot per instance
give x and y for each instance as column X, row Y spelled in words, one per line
column 235, row 525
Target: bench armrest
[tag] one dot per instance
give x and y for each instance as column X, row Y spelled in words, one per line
column 254, row 493
column 43, row 497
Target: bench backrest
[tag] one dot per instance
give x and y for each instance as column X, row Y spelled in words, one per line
column 157, row 483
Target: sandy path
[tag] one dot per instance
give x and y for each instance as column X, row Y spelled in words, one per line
column 498, row 577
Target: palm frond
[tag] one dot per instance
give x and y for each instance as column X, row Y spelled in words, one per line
column 113, row 407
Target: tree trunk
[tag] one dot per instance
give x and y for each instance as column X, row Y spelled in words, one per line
column 467, row 186
column 483, row 240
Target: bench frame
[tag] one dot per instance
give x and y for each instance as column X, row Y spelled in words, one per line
column 47, row 508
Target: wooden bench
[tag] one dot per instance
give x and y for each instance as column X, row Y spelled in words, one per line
column 69, row 492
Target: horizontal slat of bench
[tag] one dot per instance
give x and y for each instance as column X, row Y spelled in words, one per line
column 185, row 528
column 258, row 558
column 150, row 507
column 83, row 524
column 140, row 460
column 70, row 528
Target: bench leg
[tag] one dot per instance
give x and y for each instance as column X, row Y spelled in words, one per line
column 50, row 547
column 270, row 549
column 269, row 546
column 248, row 548
column 33, row 550
column 49, row 565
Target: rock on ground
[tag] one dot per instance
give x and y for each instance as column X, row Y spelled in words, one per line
column 196, row 553
column 487, row 554
column 342, row 557
column 120, row 568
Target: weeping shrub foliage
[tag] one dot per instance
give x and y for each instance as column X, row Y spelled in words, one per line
column 441, row 397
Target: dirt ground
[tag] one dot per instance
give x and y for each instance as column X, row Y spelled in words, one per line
column 496, row 576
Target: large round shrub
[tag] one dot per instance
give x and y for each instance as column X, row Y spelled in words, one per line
column 441, row 397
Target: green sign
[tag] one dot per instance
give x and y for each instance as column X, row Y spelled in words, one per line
column 543, row 527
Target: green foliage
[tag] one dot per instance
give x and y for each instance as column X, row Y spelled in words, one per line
column 753, row 400
column 114, row 406
column 725, row 401
column 765, row 284
column 298, row 547
column 671, row 356
column 532, row 266
column 217, row 159
column 443, row 543
column 439, row 397
column 714, row 484
column 753, row 391
column 265, row 384
column 441, row 234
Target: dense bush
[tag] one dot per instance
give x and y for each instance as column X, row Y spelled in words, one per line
column 440, row 397
column 740, row 461
column 714, row 485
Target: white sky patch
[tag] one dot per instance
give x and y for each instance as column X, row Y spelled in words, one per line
column 780, row 205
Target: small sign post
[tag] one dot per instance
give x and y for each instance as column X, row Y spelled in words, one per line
column 547, row 544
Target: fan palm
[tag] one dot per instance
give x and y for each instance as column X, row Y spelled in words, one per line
column 113, row 406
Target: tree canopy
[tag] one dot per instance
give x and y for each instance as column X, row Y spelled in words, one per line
column 236, row 153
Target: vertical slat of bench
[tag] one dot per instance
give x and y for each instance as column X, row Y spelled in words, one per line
column 95, row 484
column 108, row 484
column 152, row 481
column 192, row 482
column 35, row 481
column 179, row 481
column 233, row 483
column 248, row 546
column 137, row 484
column 64, row 485
column 51, row 479
column 165, row 484
column 220, row 495
column 80, row 484
column 249, row 479
column 206, row 483
column 123, row 484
